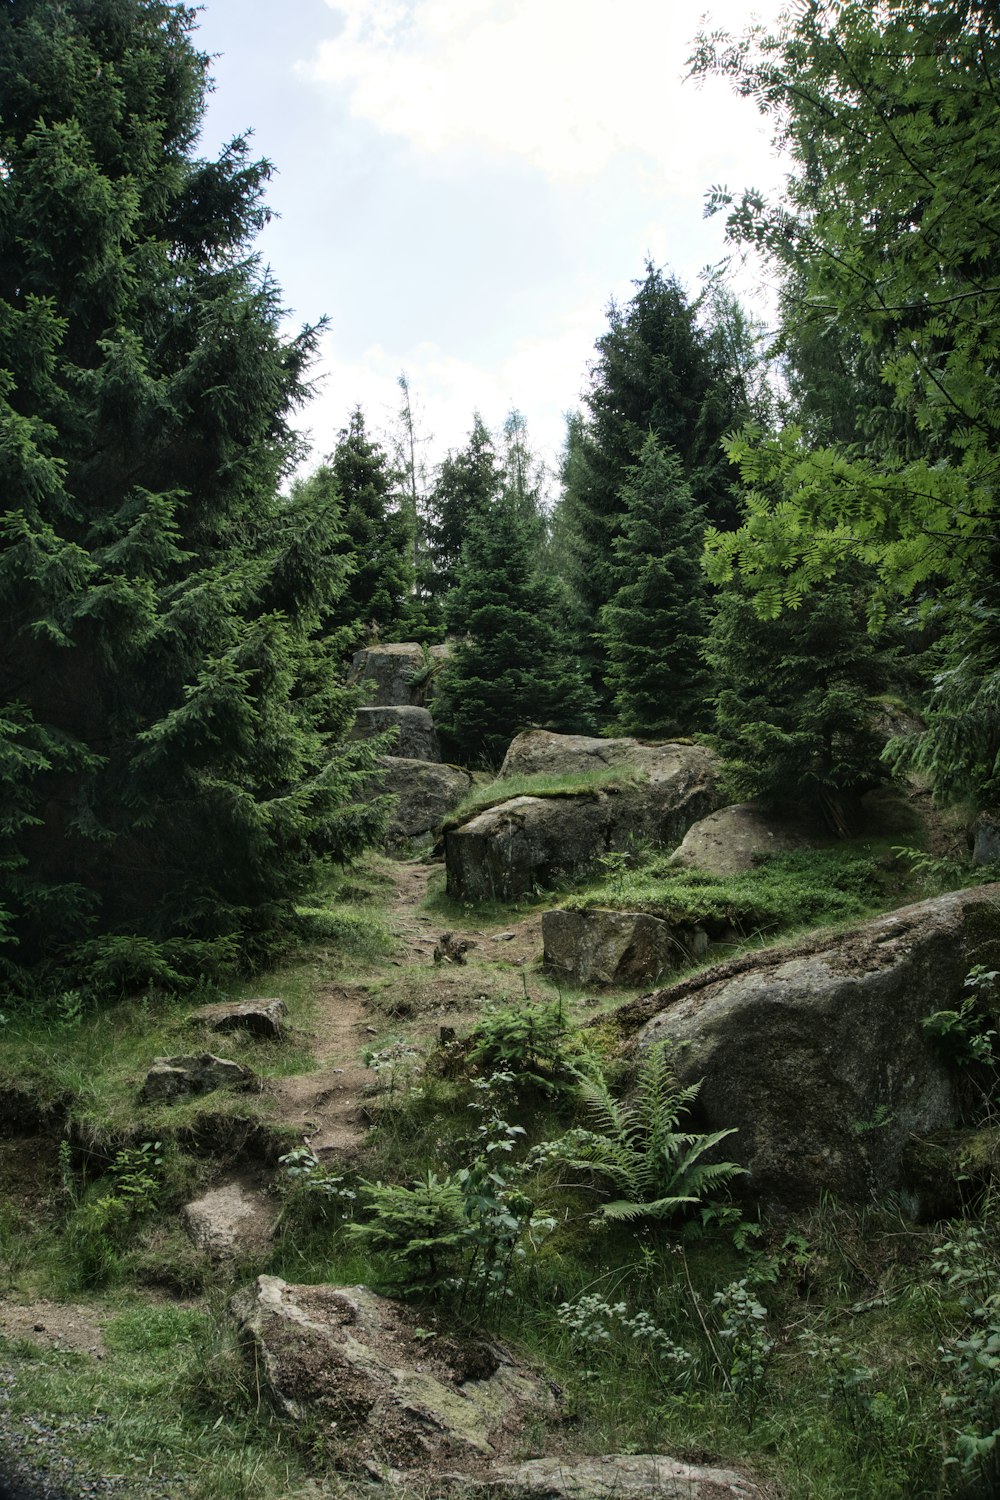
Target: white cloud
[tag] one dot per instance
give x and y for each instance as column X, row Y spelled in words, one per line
column 567, row 86
column 540, row 376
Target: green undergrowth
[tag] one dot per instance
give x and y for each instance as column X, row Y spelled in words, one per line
column 520, row 1180
column 172, row 1407
column 783, row 892
column 493, row 793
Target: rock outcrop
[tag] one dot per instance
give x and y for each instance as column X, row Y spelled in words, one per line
column 229, row 1220
column 416, row 737
column 733, row 839
column 531, row 842
column 599, row 946
column 814, row 1052
column 539, row 752
column 986, row 838
column 398, row 673
column 353, row 1363
column 425, row 792
column 173, row 1078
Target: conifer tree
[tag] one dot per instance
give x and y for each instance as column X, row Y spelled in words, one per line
column 653, row 629
column 793, row 710
column 170, row 721
column 656, row 371
column 377, row 541
column 467, row 484
column 512, row 666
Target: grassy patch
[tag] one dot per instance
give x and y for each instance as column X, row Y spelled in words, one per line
column 784, row 892
column 171, row 1408
column 493, row 793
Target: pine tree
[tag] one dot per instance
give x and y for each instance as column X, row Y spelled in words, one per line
column 653, row 629
column 512, row 667
column 170, row 721
column 377, row 541
column 793, row 710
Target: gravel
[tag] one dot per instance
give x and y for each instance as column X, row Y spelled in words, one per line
column 32, row 1467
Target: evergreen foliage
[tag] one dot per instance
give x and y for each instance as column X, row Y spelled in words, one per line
column 656, row 372
column 793, row 709
column 653, row 629
column 892, row 315
column 171, row 758
column 512, row 666
column 377, row 540
column 467, row 484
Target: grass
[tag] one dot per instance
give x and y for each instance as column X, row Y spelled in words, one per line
column 493, row 793
column 170, row 1407
column 782, row 893
column 845, row 1403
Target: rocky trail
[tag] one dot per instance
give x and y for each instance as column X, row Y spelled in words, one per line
column 410, row 992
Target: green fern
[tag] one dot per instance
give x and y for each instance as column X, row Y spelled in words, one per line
column 636, row 1148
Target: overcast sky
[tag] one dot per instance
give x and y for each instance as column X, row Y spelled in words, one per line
column 463, row 184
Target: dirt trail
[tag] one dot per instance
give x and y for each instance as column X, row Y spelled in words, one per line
column 328, row 1105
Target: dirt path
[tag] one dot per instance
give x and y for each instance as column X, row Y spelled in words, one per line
column 409, row 990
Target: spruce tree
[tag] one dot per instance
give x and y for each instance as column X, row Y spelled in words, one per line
column 654, row 627
column 512, row 667
column 656, row 371
column 170, row 723
column 377, row 541
column 793, row 709
column 467, row 484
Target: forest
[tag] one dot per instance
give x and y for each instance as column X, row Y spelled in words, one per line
column 769, row 553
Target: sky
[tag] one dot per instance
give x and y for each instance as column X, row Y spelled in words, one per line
column 462, row 186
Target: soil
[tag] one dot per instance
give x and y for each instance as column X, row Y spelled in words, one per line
column 329, row 1106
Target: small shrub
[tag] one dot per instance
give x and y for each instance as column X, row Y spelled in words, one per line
column 533, row 1044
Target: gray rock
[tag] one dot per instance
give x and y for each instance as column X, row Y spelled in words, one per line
column 351, row 1362
column 599, row 946
column 986, row 838
column 532, row 842
column 416, row 738
column 540, row 752
column 179, row 1077
column 229, row 1220
column 616, row 1476
column 398, row 673
column 814, row 1052
column 263, row 1018
column 733, row 839
column 426, row 792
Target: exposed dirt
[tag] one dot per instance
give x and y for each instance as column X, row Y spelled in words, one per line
column 328, row 1106
column 54, row 1325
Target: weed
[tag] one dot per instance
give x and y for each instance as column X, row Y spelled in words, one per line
column 743, row 1333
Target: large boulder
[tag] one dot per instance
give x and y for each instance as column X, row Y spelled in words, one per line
column 425, row 792
column 399, row 673
column 534, row 841
column 814, row 1053
column 733, row 839
column 416, row 737
column 375, row 1385
column 600, row 946
column 539, row 752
